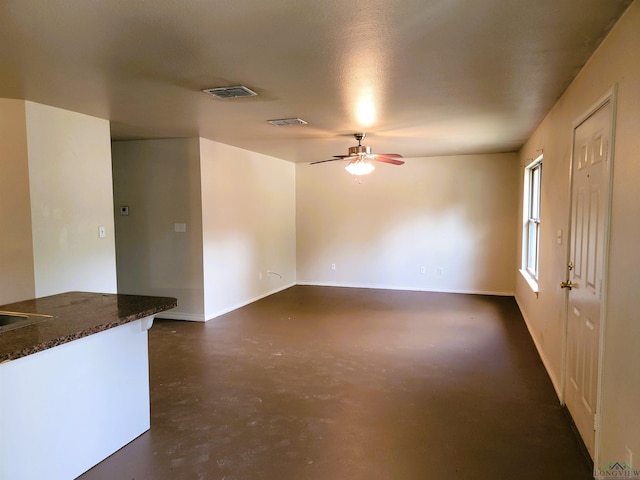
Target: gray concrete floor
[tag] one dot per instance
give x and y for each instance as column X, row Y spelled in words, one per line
column 326, row 383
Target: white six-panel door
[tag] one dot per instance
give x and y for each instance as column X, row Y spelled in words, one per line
column 589, row 211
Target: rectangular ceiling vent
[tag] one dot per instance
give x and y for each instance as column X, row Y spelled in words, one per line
column 285, row 122
column 230, row 92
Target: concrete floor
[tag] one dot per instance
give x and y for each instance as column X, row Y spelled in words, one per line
column 330, row 384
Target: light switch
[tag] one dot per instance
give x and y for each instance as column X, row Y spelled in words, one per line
column 102, row 233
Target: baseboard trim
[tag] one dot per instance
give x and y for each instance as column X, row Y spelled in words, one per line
column 247, row 302
column 169, row 315
column 405, row 288
column 189, row 317
column 581, row 445
column 541, row 354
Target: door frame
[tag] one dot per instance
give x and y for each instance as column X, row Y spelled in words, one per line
column 610, row 96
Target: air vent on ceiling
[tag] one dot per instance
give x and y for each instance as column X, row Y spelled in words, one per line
column 284, row 122
column 230, row 92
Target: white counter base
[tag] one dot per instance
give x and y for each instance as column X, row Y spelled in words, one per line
column 65, row 409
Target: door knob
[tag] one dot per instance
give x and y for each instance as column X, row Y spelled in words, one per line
column 568, row 284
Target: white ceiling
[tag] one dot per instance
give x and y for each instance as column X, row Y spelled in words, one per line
column 440, row 76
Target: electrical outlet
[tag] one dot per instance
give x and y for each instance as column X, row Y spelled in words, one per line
column 333, row 266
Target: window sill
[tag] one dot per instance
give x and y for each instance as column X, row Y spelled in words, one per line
column 532, row 282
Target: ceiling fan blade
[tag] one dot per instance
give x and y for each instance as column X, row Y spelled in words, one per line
column 333, row 160
column 386, row 159
column 390, row 155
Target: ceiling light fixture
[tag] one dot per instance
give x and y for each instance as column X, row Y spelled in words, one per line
column 359, row 167
column 359, row 157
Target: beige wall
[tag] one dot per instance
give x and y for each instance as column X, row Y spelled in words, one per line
column 615, row 62
column 71, row 197
column 16, row 249
column 248, row 208
column 159, row 180
column 455, row 216
column 239, row 211
column 56, row 172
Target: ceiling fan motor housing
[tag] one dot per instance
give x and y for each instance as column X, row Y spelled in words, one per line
column 359, row 150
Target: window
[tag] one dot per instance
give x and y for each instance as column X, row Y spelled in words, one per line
column 531, row 234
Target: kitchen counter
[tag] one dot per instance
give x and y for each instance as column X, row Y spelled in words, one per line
column 75, row 387
column 76, row 315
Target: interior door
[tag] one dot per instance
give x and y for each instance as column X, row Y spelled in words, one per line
column 589, row 216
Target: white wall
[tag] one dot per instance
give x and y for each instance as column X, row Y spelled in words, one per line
column 248, row 211
column 159, row 180
column 71, row 196
column 616, row 61
column 455, row 216
column 16, row 251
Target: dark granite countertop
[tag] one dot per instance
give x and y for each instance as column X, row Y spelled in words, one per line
column 76, row 315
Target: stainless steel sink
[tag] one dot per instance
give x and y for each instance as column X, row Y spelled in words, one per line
column 13, row 320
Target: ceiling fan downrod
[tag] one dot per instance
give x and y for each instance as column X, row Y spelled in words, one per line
column 360, row 150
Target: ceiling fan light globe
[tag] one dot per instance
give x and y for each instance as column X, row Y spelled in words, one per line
column 359, row 168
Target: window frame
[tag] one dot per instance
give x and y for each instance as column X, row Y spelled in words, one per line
column 531, row 222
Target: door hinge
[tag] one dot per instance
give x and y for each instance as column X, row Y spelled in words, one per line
column 595, row 422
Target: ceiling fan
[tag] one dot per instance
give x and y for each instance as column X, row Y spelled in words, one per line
column 358, row 156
